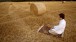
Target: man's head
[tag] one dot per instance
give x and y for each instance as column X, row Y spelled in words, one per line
column 62, row 15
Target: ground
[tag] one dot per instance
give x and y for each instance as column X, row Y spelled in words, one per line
column 18, row 24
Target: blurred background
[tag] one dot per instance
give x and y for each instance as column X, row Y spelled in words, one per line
column 31, row 0
column 18, row 24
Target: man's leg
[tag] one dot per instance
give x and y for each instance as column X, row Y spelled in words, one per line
column 52, row 32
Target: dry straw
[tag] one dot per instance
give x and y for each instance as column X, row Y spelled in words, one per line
column 37, row 8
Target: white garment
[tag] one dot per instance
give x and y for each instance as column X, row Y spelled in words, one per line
column 59, row 29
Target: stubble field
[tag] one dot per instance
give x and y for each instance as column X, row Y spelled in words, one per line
column 18, row 24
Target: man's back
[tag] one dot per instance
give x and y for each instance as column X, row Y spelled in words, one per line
column 61, row 27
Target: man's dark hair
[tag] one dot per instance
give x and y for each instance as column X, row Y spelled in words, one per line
column 62, row 15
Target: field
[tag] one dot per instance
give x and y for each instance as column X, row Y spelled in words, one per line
column 18, row 24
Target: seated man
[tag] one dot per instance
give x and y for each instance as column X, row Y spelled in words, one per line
column 56, row 30
column 59, row 29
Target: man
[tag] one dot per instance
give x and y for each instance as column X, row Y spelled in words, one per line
column 59, row 29
column 56, row 30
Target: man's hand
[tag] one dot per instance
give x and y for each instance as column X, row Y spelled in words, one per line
column 49, row 25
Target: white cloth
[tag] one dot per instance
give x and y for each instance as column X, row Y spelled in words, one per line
column 52, row 32
column 59, row 29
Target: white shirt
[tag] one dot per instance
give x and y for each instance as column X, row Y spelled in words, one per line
column 59, row 29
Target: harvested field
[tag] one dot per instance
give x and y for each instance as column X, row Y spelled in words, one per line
column 17, row 24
